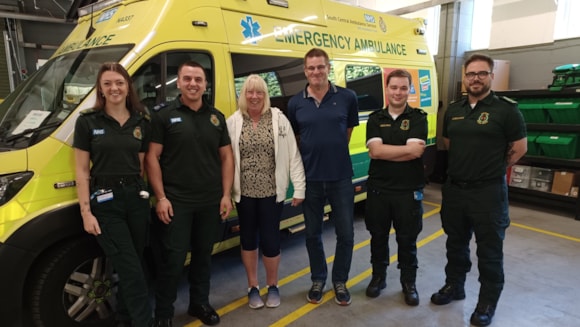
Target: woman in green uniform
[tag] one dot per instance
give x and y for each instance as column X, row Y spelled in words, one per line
column 113, row 136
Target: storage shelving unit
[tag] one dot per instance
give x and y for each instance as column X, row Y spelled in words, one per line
column 535, row 196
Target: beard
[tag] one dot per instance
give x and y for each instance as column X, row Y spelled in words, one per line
column 477, row 93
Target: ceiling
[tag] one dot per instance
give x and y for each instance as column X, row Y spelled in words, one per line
column 42, row 10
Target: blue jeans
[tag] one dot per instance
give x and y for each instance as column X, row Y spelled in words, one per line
column 340, row 195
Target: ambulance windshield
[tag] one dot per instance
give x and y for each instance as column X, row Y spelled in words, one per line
column 41, row 103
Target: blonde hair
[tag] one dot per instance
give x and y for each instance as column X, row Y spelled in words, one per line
column 253, row 83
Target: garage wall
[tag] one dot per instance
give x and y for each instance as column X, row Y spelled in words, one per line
column 531, row 66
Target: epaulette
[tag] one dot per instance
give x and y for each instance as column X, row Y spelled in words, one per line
column 87, row 111
column 421, row 111
column 375, row 112
column 508, row 100
column 145, row 114
column 160, row 106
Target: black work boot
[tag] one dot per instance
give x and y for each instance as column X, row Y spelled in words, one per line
column 376, row 285
column 162, row 322
column 482, row 314
column 447, row 294
column 411, row 294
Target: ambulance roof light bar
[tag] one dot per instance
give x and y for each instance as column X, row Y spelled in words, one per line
column 87, row 10
column 279, row 3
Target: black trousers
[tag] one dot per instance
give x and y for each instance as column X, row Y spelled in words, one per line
column 191, row 229
column 405, row 214
column 483, row 211
column 124, row 222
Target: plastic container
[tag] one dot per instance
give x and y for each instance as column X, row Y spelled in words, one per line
column 533, row 147
column 564, row 111
column 533, row 110
column 558, row 145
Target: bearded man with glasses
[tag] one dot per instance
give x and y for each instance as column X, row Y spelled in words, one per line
column 484, row 134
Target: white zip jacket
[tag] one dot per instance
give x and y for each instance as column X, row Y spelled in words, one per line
column 287, row 157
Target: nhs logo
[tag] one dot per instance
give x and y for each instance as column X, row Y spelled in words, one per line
column 369, row 18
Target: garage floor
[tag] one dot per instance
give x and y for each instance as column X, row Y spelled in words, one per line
column 542, row 266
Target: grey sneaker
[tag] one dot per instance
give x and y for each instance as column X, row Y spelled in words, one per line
column 254, row 299
column 342, row 296
column 273, row 299
column 315, row 293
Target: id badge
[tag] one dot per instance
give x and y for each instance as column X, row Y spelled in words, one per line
column 102, row 195
column 105, row 197
column 418, row 195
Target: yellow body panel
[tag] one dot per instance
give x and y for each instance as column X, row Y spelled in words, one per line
column 351, row 35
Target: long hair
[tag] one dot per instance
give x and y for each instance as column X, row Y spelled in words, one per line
column 133, row 103
column 253, row 83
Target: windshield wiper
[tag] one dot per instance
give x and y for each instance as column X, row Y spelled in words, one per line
column 32, row 131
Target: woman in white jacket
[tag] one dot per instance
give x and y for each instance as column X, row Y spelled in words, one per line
column 266, row 158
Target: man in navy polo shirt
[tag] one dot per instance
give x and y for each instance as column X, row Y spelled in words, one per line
column 323, row 116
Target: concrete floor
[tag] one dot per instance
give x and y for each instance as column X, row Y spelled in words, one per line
column 542, row 266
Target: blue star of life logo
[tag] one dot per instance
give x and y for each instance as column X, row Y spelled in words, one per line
column 251, row 28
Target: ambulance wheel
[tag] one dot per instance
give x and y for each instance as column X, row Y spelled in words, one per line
column 73, row 286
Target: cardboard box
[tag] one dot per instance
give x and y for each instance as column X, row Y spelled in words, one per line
column 563, row 182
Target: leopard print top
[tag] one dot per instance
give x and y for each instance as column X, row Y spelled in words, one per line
column 257, row 162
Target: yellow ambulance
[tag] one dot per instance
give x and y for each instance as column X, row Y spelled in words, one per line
column 51, row 272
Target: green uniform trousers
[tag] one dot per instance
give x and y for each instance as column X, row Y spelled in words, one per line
column 191, row 229
column 480, row 209
column 124, row 222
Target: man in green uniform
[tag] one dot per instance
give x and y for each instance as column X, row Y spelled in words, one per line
column 484, row 135
column 190, row 168
column 396, row 140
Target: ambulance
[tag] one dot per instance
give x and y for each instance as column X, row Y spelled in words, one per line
column 51, row 272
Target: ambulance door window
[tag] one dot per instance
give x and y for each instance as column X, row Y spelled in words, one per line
column 284, row 76
column 155, row 81
column 367, row 82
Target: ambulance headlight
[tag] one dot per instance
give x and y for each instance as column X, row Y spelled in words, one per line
column 11, row 184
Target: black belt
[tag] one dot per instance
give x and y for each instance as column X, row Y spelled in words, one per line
column 114, row 180
column 475, row 184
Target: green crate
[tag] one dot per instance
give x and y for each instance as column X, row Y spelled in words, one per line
column 533, row 111
column 565, row 76
column 564, row 111
column 533, row 146
column 559, row 145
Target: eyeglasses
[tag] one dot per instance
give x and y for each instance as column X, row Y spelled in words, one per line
column 313, row 68
column 482, row 74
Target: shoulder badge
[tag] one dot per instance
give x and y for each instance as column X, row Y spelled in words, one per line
column 88, row 111
column 160, row 106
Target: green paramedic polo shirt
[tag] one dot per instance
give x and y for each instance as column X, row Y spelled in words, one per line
column 479, row 137
column 190, row 161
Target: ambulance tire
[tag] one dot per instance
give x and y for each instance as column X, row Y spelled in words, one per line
column 73, row 286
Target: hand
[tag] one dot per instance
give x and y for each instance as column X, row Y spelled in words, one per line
column 416, row 149
column 91, row 224
column 164, row 210
column 226, row 207
column 296, row 202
